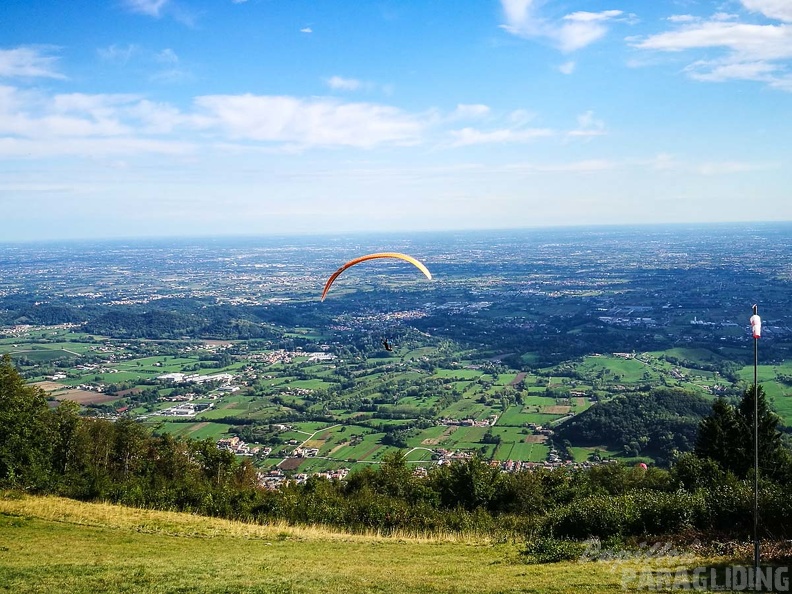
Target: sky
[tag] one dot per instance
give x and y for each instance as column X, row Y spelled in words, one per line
column 127, row 118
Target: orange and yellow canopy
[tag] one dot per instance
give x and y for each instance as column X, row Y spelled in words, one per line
column 397, row 255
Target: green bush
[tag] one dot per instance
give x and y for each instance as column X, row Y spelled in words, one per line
column 637, row 513
column 547, row 549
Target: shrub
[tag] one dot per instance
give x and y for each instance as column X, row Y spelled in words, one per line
column 547, row 549
column 637, row 513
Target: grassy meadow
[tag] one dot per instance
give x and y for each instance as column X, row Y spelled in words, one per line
column 50, row 544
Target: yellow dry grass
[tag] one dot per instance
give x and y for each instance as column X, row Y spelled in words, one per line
column 108, row 515
column 51, row 544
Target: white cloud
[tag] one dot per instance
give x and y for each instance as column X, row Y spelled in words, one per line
column 96, row 106
column 161, row 118
column 670, row 163
column 180, row 12
column 306, row 30
column 464, row 111
column 729, row 167
column 588, row 126
column 36, row 122
column 28, row 114
column 586, row 166
column 663, row 162
column 94, row 147
column 164, row 64
column 758, row 41
column 567, row 67
column 574, row 31
column 171, row 72
column 720, row 71
column 757, row 52
column 725, row 16
column 171, row 75
column 343, row 84
column 117, row 53
column 28, row 61
column 33, row 124
column 74, row 120
column 310, row 122
column 147, row 7
column 682, row 18
column 471, row 136
column 587, row 122
column 520, row 117
column 589, row 17
column 167, row 56
column 774, row 9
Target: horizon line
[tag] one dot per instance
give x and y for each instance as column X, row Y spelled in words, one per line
column 387, row 233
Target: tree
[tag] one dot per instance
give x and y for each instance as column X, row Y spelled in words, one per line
column 25, row 445
column 774, row 458
column 721, row 438
column 727, row 437
column 470, row 484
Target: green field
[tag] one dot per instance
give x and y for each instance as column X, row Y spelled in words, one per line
column 466, row 408
column 516, row 416
column 582, row 454
column 458, row 374
column 367, row 449
column 58, row 545
column 393, row 391
column 621, row 370
column 200, row 430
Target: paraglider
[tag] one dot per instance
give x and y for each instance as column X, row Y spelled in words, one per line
column 404, row 257
column 417, row 263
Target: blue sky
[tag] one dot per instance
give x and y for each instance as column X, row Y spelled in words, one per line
column 197, row 117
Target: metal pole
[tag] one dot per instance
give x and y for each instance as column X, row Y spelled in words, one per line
column 756, row 455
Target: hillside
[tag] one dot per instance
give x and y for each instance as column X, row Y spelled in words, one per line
column 106, row 548
column 657, row 423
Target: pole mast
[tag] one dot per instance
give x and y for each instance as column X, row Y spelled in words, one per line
column 756, row 330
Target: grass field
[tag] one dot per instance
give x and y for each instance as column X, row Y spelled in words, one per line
column 58, row 545
column 198, row 430
column 516, row 416
column 626, row 370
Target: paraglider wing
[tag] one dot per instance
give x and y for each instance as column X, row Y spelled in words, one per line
column 404, row 257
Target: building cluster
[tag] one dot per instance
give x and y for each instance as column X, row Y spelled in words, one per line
column 550, row 464
column 277, row 356
column 23, row 329
column 240, row 448
column 489, row 422
column 185, row 409
column 442, row 456
column 303, row 452
column 274, row 479
column 195, row 378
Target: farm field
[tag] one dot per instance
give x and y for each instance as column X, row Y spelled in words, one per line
column 388, row 395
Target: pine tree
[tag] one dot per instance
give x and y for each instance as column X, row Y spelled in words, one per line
column 721, row 438
column 773, row 456
column 727, row 437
